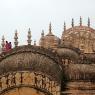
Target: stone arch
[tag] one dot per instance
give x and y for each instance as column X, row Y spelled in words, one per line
column 32, row 58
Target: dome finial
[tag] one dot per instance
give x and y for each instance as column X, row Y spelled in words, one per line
column 3, row 43
column 16, row 39
column 34, row 42
column 64, row 26
column 50, row 28
column 72, row 22
column 80, row 21
column 42, row 34
column 42, row 39
column 29, row 37
column 88, row 22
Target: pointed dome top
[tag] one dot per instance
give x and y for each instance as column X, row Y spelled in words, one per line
column 34, row 42
column 3, row 43
column 80, row 21
column 64, row 26
column 88, row 22
column 50, row 29
column 16, row 38
column 29, row 29
column 72, row 22
column 29, row 37
column 42, row 34
column 29, row 32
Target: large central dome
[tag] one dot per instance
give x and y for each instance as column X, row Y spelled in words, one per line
column 82, row 37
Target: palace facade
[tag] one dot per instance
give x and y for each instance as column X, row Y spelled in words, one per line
column 58, row 66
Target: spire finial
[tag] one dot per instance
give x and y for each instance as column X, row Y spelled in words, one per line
column 29, row 37
column 3, row 43
column 80, row 21
column 64, row 26
column 88, row 22
column 50, row 28
column 72, row 22
column 42, row 34
column 16, row 39
column 41, row 43
column 34, row 42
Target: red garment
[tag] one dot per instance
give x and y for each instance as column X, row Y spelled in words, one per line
column 8, row 46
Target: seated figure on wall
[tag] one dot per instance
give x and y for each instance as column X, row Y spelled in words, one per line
column 8, row 46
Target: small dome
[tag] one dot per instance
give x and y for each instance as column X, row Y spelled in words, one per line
column 68, row 53
column 50, row 40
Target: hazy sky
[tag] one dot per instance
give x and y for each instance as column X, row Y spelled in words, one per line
column 37, row 14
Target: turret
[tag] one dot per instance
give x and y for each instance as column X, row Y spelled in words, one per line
column 72, row 22
column 34, row 42
column 50, row 28
column 3, row 44
column 29, row 37
column 64, row 26
column 42, row 39
column 16, row 39
column 80, row 21
column 88, row 22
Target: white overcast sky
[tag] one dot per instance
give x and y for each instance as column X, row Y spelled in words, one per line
column 37, row 14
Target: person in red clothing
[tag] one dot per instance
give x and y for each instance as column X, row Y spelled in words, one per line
column 8, row 46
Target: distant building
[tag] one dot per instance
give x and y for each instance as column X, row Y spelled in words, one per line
column 58, row 66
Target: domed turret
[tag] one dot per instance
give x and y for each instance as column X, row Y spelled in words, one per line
column 82, row 37
column 50, row 40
